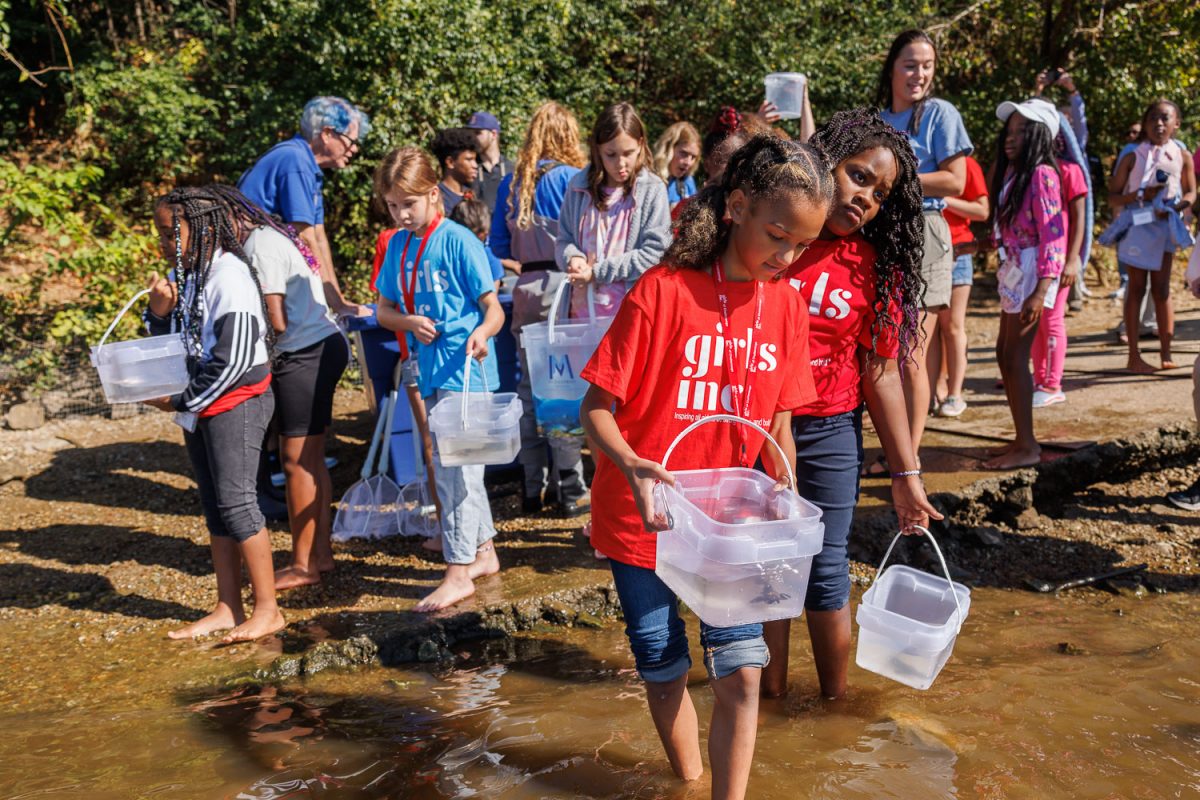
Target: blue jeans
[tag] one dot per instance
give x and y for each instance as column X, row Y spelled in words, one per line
column 829, row 455
column 658, row 638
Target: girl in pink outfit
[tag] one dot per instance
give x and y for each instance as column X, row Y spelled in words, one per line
column 1050, row 343
column 1030, row 227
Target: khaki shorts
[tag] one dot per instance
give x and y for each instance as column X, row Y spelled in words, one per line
column 937, row 263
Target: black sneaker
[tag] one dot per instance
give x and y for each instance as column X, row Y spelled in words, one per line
column 579, row 507
column 531, row 505
column 1188, row 499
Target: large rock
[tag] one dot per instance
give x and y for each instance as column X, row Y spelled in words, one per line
column 25, row 416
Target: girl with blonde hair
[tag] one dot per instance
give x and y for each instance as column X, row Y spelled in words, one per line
column 676, row 158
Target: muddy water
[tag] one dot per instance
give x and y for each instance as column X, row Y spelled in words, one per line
column 1117, row 715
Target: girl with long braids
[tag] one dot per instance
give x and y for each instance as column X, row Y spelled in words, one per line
column 861, row 283
column 935, row 130
column 1032, row 232
column 665, row 363
column 310, row 356
column 214, row 296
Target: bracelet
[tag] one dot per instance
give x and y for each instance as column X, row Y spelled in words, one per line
column 906, row 473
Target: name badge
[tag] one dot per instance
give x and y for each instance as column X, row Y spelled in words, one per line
column 1012, row 278
column 186, row 420
column 1143, row 216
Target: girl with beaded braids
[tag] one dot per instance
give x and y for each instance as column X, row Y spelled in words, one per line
column 867, row 259
column 214, row 296
column 665, row 362
column 310, row 356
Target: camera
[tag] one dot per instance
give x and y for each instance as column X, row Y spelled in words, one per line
column 1052, row 75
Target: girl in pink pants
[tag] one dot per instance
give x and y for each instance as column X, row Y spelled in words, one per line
column 1050, row 343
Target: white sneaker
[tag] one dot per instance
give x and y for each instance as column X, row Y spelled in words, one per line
column 952, row 406
column 1048, row 397
column 1084, row 291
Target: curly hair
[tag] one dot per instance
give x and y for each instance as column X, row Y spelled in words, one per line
column 765, row 168
column 553, row 135
column 449, row 142
column 212, row 224
column 664, row 148
column 617, row 119
column 248, row 213
column 897, row 232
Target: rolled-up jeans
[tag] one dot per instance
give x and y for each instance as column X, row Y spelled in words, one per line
column 658, row 638
column 466, row 513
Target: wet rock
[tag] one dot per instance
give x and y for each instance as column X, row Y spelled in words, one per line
column 1126, row 587
column 989, row 535
column 25, row 416
column 429, row 651
column 558, row 612
column 586, row 620
column 1069, row 649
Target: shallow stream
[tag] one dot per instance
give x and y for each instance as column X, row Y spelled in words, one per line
column 1087, row 696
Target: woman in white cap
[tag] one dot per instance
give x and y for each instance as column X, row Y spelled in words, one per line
column 1032, row 234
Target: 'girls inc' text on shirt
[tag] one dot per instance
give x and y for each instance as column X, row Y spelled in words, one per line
column 704, row 383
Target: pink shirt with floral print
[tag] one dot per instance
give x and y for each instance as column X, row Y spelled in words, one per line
column 1039, row 223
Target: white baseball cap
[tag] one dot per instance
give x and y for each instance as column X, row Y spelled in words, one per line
column 1034, row 110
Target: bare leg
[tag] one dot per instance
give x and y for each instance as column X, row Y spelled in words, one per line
column 486, row 561
column 916, row 381
column 304, row 466
column 954, row 337
column 1018, row 386
column 675, row 720
column 456, row 586
column 1160, row 293
column 227, row 562
column 935, row 360
column 265, row 619
column 732, row 733
column 830, row 634
column 778, row 636
column 1133, row 298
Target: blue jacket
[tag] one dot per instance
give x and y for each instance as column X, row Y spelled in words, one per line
column 506, row 240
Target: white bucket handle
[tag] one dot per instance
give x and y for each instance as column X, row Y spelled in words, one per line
column 376, row 437
column 116, row 321
column 466, row 390
column 941, row 560
column 558, row 293
column 731, row 418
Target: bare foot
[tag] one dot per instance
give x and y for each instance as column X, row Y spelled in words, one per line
column 1016, row 458
column 433, row 545
column 451, row 591
column 1138, row 366
column 294, row 577
column 221, row 619
column 260, row 624
column 486, row 562
column 1168, row 364
column 1001, row 451
column 325, row 563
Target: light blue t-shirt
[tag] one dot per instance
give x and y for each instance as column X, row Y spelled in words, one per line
column 453, row 275
column 674, row 187
column 941, row 135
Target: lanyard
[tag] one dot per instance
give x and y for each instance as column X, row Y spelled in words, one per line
column 409, row 291
column 742, row 409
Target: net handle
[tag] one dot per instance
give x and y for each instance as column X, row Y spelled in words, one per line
column 121, row 315
column 941, row 560
column 554, row 305
column 737, row 419
column 385, row 438
column 376, row 437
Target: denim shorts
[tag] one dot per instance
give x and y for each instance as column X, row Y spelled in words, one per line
column 964, row 271
column 659, row 641
column 225, row 450
column 829, row 455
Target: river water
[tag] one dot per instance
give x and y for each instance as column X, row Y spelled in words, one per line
column 1088, row 696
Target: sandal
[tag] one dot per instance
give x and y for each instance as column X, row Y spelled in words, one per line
column 875, row 469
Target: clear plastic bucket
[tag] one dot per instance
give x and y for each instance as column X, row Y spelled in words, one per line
column 786, row 91
column 476, row 428
column 140, row 369
column 909, row 620
column 556, row 353
column 738, row 551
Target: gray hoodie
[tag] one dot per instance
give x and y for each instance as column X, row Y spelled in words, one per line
column 649, row 230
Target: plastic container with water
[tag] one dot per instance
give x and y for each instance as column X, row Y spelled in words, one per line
column 418, row 513
column 786, row 91
column 140, row 369
column 476, row 428
column 556, row 353
column 738, row 551
column 909, row 620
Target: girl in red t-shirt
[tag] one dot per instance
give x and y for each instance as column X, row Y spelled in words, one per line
column 664, row 364
column 869, row 250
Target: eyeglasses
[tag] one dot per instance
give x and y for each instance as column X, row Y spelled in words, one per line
column 351, row 144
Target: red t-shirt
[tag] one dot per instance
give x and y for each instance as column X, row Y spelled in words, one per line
column 663, row 359
column 836, row 278
column 1074, row 184
column 381, row 246
column 960, row 227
